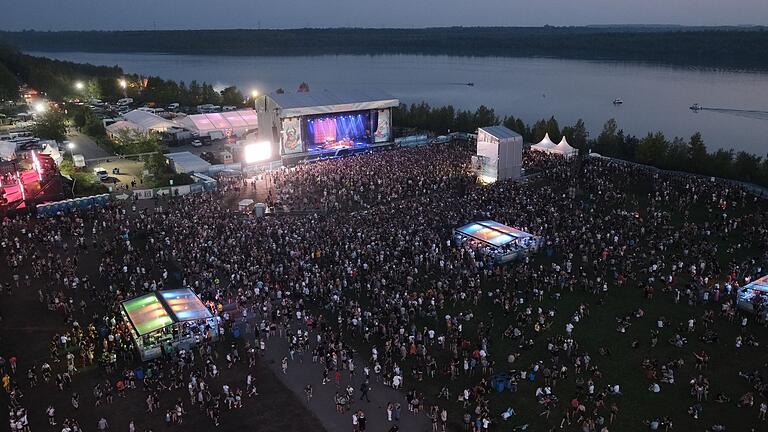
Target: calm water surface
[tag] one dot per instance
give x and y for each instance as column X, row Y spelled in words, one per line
column 655, row 97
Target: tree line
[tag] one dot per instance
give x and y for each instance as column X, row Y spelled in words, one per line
column 59, row 80
column 653, row 149
column 733, row 47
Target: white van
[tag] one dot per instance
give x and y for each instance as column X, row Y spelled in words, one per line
column 173, row 106
column 125, row 101
column 100, row 173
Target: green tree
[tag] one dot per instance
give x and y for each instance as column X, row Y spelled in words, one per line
column 607, row 142
column 232, row 96
column 128, row 141
column 720, row 163
column 51, row 125
column 652, row 149
column 156, row 164
column 697, row 151
column 677, row 156
column 746, row 167
column 578, row 138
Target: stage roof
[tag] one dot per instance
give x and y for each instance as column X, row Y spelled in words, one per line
column 326, row 102
column 500, row 132
column 242, row 119
column 157, row 310
column 492, row 233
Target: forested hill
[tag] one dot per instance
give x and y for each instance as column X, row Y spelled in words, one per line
column 730, row 47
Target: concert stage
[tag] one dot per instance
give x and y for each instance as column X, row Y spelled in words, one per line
column 307, row 125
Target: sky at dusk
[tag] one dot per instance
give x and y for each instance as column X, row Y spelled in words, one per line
column 209, row 14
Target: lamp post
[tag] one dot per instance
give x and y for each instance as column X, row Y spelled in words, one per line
column 124, row 86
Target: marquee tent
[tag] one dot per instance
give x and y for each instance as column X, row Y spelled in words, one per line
column 237, row 123
column 148, row 121
column 545, row 145
column 565, row 149
column 116, row 127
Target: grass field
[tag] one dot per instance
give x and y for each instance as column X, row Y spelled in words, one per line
column 623, row 365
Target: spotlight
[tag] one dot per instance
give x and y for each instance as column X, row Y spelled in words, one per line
column 256, row 152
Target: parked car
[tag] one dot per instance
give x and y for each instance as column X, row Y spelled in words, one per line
column 197, row 143
column 100, row 173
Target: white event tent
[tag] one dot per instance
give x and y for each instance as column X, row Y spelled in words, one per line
column 565, row 149
column 547, row 146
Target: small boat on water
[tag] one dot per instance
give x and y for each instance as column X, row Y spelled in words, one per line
column 695, row 107
column 470, row 84
column 618, row 101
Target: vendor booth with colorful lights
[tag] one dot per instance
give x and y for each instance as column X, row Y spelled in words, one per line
column 754, row 296
column 500, row 241
column 173, row 319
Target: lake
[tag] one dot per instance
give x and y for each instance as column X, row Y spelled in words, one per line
column 656, row 98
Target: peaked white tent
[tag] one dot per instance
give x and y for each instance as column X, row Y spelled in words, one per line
column 565, row 149
column 546, row 145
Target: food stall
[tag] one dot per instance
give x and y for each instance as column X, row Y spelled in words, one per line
column 168, row 320
column 246, row 205
column 500, row 241
column 754, row 296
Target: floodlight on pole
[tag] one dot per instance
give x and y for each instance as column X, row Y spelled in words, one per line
column 79, row 85
column 123, row 84
column 41, row 107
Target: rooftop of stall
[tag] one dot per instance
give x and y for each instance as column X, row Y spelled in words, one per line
column 747, row 293
column 492, row 233
column 147, row 314
column 185, row 305
column 154, row 311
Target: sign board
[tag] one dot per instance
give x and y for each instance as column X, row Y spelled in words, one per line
column 122, row 196
column 143, row 193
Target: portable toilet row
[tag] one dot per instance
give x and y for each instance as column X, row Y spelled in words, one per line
column 65, row 206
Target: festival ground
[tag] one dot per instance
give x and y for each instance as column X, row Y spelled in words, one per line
column 28, row 326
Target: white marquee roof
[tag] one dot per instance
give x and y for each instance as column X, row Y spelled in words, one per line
column 148, row 121
column 235, row 120
column 564, row 148
column 545, row 144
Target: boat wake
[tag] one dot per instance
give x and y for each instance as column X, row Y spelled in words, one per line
column 753, row 114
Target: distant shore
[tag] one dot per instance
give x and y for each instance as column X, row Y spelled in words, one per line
column 715, row 47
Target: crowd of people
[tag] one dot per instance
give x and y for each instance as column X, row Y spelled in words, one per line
column 376, row 292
